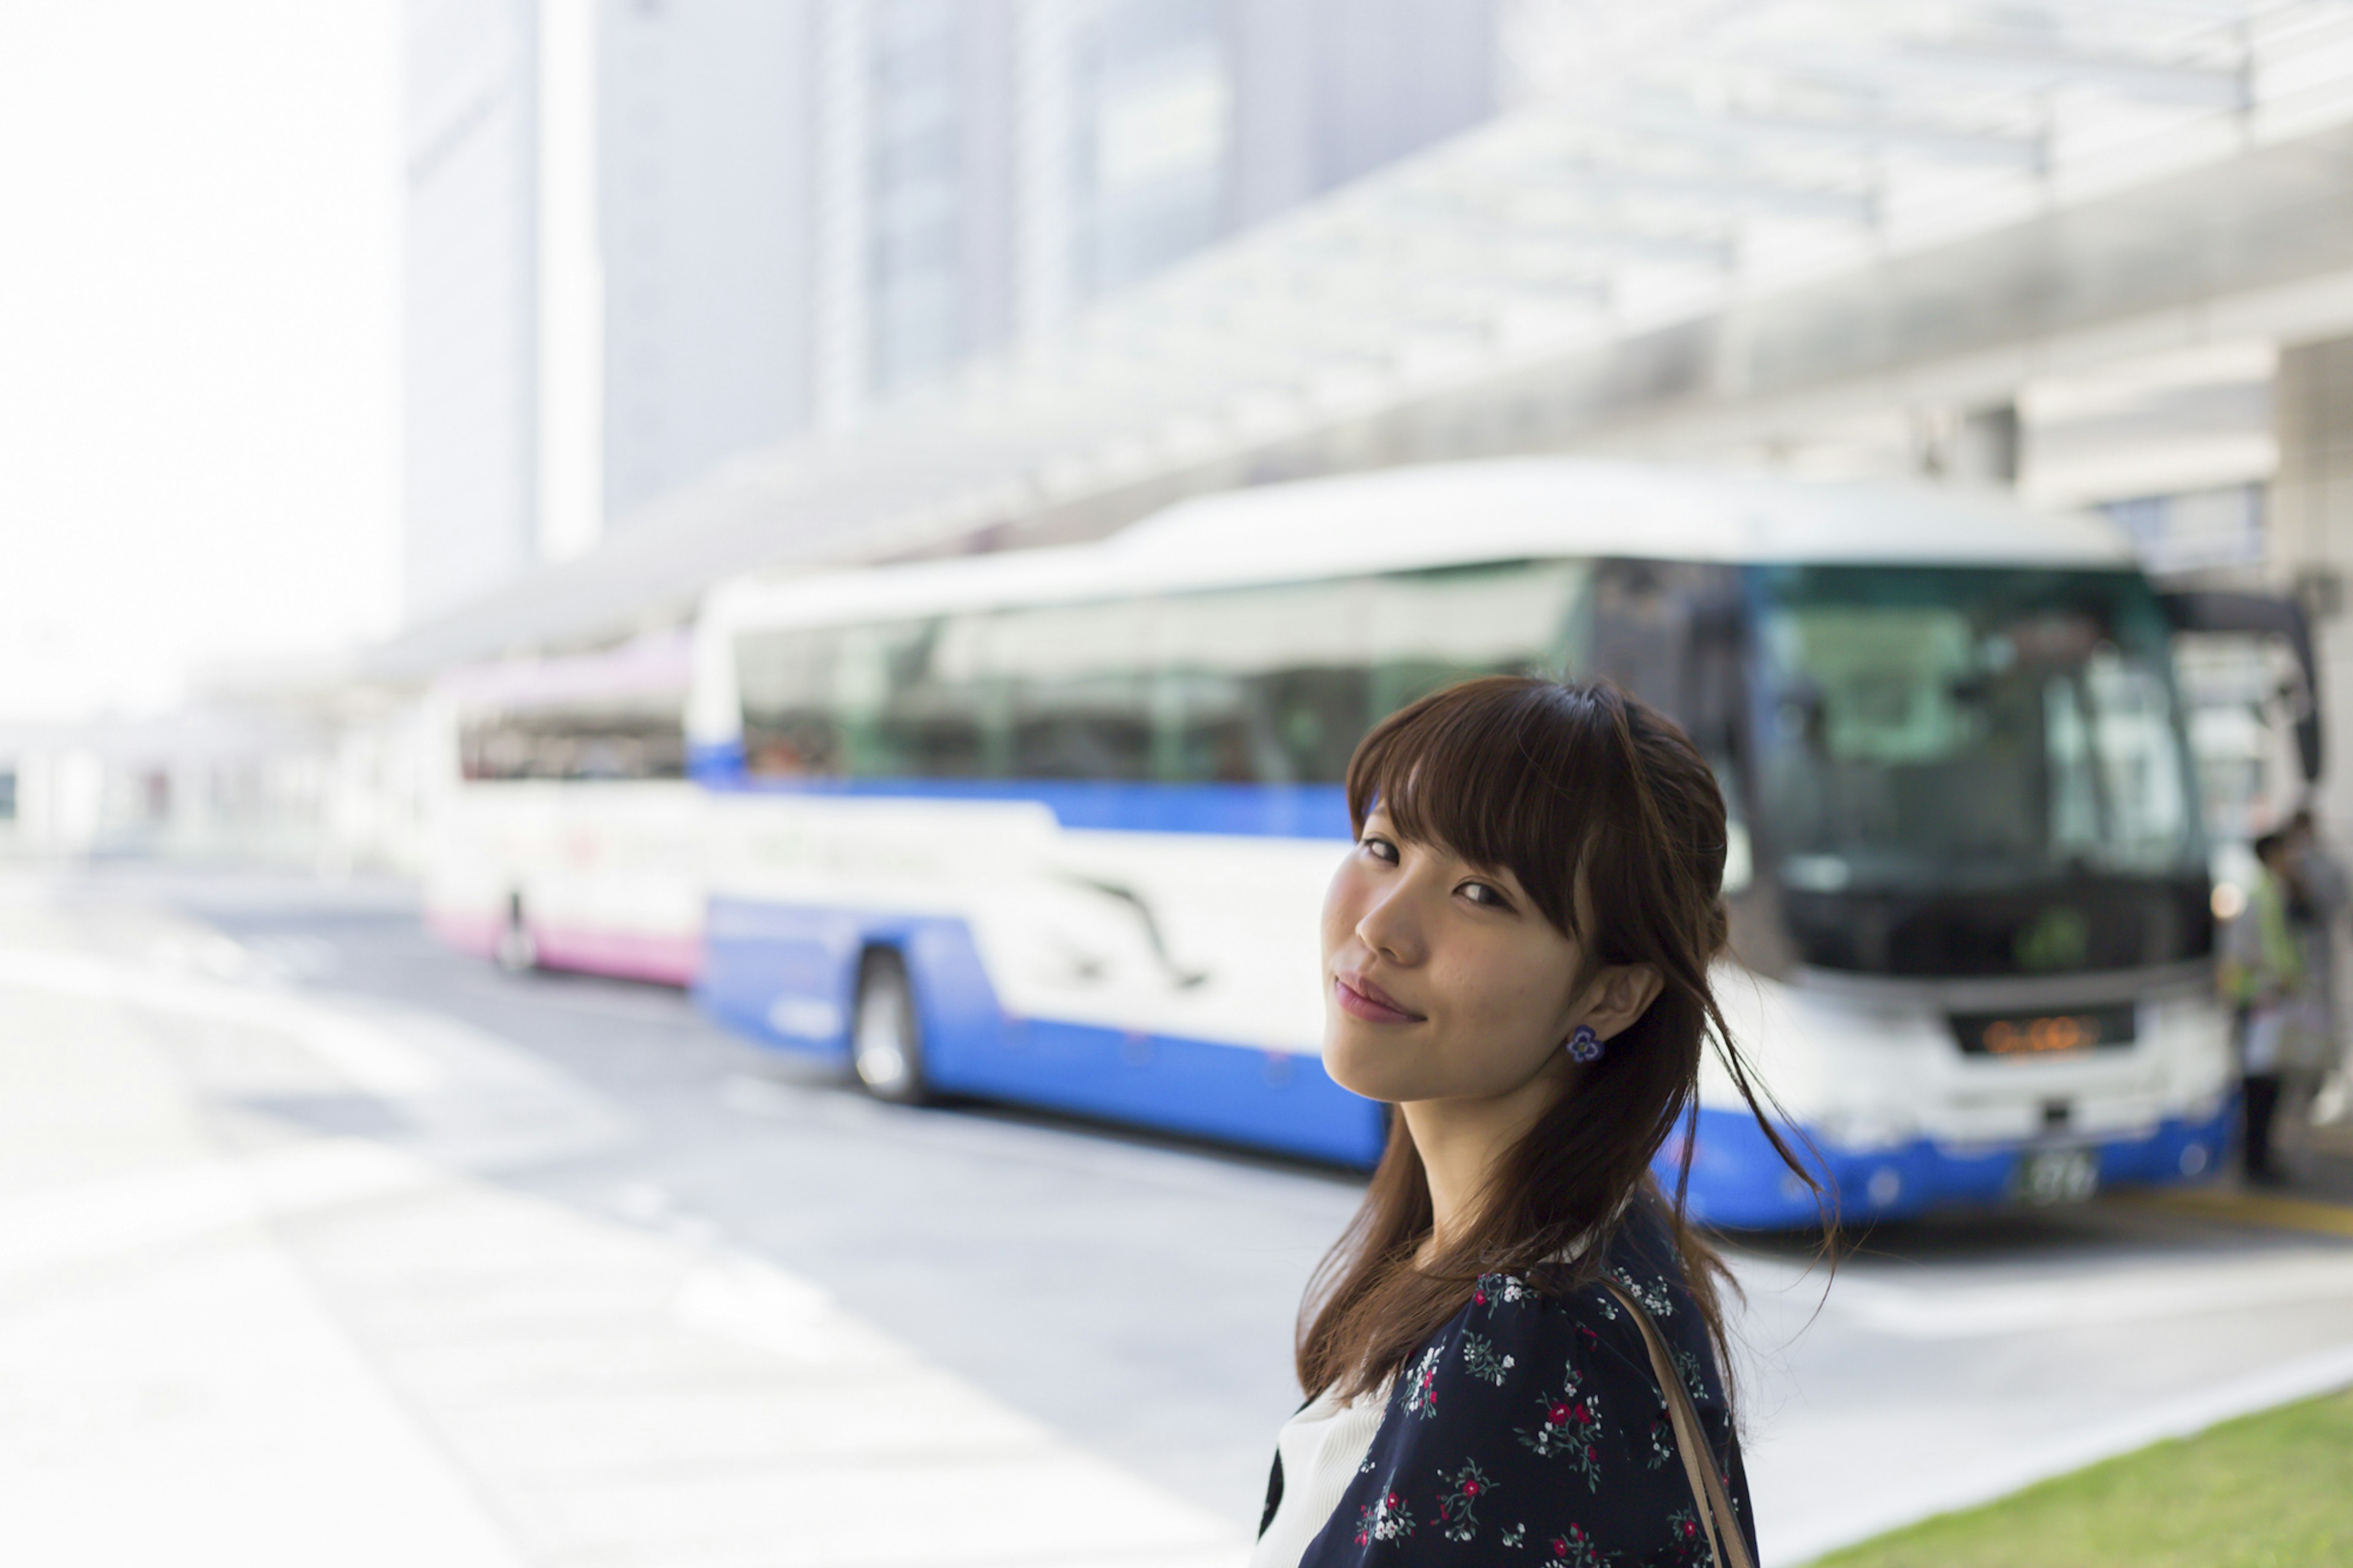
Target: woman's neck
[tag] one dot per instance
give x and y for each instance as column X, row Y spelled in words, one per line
column 1462, row 1142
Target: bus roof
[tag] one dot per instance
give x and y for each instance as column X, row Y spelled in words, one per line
column 1463, row 513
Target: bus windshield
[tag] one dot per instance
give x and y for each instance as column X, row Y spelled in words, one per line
column 1923, row 729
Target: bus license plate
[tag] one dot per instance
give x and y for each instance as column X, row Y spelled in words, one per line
column 2056, row 1175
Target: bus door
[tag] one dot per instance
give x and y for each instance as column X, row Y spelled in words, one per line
column 2250, row 681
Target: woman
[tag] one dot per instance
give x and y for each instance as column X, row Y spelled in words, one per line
column 1516, row 956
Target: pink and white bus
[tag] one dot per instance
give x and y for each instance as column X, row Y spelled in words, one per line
column 564, row 833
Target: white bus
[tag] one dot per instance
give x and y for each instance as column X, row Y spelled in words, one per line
column 564, row 834
column 1054, row 826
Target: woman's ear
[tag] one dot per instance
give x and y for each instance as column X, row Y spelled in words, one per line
column 1619, row 995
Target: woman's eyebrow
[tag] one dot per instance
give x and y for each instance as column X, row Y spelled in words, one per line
column 1498, row 874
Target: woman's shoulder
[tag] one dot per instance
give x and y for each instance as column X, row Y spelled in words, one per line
column 1585, row 1301
column 1533, row 1417
column 1545, row 1334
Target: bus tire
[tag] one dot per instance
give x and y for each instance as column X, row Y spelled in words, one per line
column 517, row 951
column 886, row 1045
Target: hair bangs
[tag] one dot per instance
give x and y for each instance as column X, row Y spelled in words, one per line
column 1490, row 771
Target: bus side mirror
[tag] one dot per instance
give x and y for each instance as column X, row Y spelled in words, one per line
column 2259, row 615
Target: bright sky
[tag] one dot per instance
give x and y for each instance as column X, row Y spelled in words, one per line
column 198, row 340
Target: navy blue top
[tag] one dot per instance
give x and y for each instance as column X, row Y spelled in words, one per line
column 1530, row 1426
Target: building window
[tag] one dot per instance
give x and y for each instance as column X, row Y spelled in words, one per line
column 914, row 252
column 1154, row 100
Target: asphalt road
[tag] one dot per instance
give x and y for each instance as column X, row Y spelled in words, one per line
column 1105, row 1296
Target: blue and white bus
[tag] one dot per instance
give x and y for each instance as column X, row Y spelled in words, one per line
column 1053, row 827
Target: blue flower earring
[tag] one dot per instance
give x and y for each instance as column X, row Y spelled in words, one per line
column 1584, row 1045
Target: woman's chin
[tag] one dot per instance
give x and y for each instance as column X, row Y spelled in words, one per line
column 1361, row 1067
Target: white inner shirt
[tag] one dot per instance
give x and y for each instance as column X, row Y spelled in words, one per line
column 1322, row 1447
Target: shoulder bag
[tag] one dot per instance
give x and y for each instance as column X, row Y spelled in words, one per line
column 1728, row 1547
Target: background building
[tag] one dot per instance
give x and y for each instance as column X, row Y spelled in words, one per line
column 471, row 404
column 648, row 236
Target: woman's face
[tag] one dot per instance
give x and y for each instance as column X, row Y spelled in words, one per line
column 1443, row 980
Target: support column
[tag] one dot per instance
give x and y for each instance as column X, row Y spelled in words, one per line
column 843, row 351
column 2310, row 539
column 1041, row 166
column 571, row 287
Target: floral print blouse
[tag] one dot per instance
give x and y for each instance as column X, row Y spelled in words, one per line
column 1530, row 1428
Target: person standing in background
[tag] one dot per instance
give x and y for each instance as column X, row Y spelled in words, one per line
column 2320, row 880
column 2264, row 973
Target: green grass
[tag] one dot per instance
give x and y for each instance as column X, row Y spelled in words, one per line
column 2273, row 1491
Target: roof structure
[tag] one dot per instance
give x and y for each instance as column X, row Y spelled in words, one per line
column 1701, row 209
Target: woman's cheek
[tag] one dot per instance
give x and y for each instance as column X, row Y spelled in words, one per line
column 1340, row 903
column 1504, row 1033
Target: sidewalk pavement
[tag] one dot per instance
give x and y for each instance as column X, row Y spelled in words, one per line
column 225, row 1338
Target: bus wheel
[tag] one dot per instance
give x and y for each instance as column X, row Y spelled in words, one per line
column 885, row 1038
column 517, row 951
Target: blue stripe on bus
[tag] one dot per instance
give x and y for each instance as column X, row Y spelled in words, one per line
column 778, row 972
column 716, row 763
column 1283, row 811
column 1739, row 1183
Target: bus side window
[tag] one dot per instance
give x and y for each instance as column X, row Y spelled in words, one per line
column 1674, row 633
column 786, row 681
column 1669, row 633
column 613, row 741
column 1075, row 689
column 906, row 704
column 1430, row 629
column 1259, row 685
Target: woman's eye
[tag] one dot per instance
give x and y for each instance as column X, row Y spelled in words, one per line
column 1481, row 893
column 1380, row 848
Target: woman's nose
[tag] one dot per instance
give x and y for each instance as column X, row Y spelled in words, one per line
column 1389, row 926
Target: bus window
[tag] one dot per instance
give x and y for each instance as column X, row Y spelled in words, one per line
column 1671, row 633
column 1430, row 629
column 787, row 680
column 2241, row 692
column 595, row 743
column 1075, row 689
column 1261, row 685
column 901, row 709
column 1941, row 750
column 947, row 717
column 1272, row 685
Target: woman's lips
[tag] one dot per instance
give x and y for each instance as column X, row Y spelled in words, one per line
column 1360, row 998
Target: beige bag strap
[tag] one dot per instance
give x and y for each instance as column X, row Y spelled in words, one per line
column 1715, row 1515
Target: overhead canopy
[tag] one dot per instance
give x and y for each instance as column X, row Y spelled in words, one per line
column 1701, row 209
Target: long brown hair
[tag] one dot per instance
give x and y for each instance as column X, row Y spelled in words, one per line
column 1567, row 786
